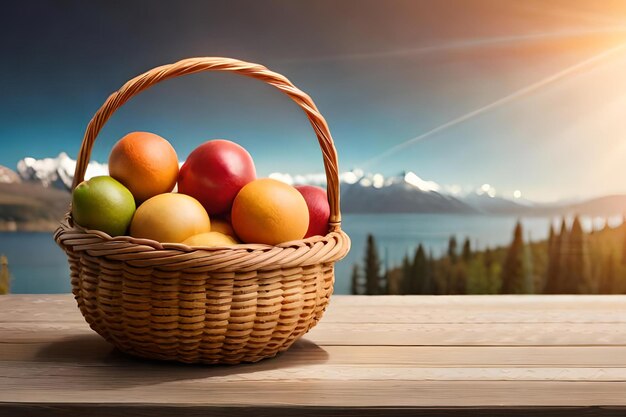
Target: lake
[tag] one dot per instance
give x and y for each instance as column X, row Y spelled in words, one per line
column 38, row 265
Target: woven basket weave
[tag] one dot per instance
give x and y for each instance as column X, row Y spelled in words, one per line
column 211, row 305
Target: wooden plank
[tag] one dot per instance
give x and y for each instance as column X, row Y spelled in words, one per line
column 165, row 389
column 79, row 376
column 436, row 301
column 369, row 356
column 200, row 410
column 481, row 301
column 90, row 349
column 387, row 309
column 562, row 322
column 381, row 315
column 484, row 334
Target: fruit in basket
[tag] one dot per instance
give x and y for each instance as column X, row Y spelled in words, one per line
column 210, row 239
column 145, row 163
column 319, row 210
column 222, row 226
column 269, row 211
column 170, row 218
column 214, row 173
column 103, row 203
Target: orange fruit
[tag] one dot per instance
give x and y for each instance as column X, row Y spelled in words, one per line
column 210, row 239
column 269, row 211
column 222, row 226
column 170, row 218
column 145, row 163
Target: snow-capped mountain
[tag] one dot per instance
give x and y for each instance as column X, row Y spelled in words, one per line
column 360, row 192
column 357, row 176
column 8, row 176
column 374, row 193
column 405, row 193
column 55, row 172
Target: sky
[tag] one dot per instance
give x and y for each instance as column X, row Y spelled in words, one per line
column 523, row 95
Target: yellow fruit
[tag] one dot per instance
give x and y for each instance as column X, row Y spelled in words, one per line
column 170, row 218
column 222, row 226
column 145, row 163
column 269, row 211
column 210, row 239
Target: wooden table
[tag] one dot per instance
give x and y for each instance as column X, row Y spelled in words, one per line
column 412, row 355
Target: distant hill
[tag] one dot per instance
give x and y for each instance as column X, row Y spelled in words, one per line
column 28, row 206
column 36, row 196
column 613, row 205
column 601, row 206
column 408, row 193
column 399, row 197
column 8, row 176
column 487, row 204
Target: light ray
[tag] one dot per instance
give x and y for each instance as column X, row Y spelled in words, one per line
column 460, row 45
column 497, row 103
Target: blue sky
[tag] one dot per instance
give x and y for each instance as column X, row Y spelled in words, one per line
column 381, row 72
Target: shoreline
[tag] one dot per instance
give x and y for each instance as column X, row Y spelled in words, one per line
column 43, row 226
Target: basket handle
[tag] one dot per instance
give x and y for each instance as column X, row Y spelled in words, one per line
column 194, row 65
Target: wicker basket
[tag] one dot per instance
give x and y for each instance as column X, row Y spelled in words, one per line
column 212, row 305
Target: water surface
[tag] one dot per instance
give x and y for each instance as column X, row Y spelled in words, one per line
column 38, row 265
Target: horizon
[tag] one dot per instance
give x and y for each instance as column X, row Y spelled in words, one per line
column 521, row 96
column 354, row 175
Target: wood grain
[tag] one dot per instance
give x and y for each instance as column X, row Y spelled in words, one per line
column 392, row 309
column 503, row 355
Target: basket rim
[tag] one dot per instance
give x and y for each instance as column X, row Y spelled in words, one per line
column 68, row 224
column 135, row 252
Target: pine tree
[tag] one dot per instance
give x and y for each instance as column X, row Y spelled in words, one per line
column 442, row 273
column 419, row 272
column 554, row 241
column 488, row 257
column 513, row 274
column 394, row 281
column 407, row 276
column 383, row 282
column 372, row 267
column 551, row 237
column 576, row 279
column 477, row 276
column 529, row 277
column 466, row 253
column 460, row 278
column 357, row 284
column 452, row 249
column 492, row 268
column 553, row 272
column 608, row 277
column 5, row 277
column 548, row 279
column 563, row 257
column 430, row 282
column 624, row 246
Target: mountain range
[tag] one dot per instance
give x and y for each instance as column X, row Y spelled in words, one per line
column 36, row 195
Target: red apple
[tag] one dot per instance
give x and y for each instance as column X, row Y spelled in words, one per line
column 214, row 173
column 319, row 210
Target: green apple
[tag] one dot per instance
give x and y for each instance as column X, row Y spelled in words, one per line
column 102, row 203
